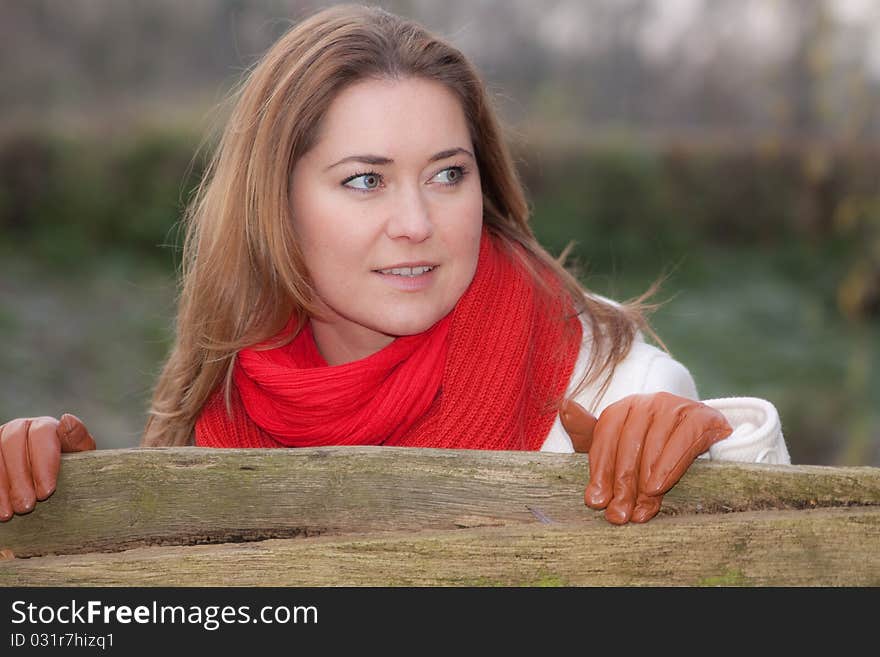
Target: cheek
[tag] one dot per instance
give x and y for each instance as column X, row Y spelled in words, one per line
column 313, row 219
column 330, row 234
column 462, row 240
column 469, row 228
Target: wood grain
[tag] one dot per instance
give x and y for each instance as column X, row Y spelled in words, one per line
column 823, row 547
column 119, row 499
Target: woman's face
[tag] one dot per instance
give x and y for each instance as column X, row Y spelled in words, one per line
column 388, row 210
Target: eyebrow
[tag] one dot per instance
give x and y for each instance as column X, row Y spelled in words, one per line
column 380, row 160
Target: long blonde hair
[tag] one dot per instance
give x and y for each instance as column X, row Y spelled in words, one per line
column 242, row 272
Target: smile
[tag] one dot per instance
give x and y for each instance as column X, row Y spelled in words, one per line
column 406, row 271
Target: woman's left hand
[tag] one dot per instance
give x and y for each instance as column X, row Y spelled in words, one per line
column 639, row 448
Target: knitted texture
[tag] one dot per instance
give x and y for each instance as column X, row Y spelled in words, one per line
column 487, row 376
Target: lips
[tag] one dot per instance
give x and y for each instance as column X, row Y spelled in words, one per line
column 409, row 278
column 408, row 269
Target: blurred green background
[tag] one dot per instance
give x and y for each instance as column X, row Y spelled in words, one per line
column 733, row 146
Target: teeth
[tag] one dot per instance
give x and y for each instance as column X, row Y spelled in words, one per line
column 406, row 271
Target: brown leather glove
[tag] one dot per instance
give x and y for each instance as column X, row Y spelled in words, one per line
column 639, row 448
column 30, row 458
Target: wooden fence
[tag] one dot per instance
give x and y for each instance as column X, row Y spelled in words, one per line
column 432, row 517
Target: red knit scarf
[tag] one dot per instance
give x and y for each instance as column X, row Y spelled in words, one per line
column 483, row 377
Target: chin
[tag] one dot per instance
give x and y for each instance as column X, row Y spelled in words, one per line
column 401, row 329
column 409, row 326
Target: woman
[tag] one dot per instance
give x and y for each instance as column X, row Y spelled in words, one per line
column 359, row 269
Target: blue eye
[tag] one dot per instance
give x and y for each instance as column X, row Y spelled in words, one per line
column 458, row 173
column 371, row 178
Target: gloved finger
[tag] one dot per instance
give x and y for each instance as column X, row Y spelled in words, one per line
column 647, row 506
column 13, row 444
column 603, row 454
column 700, row 427
column 666, row 419
column 73, row 434
column 626, row 469
column 662, row 427
column 579, row 424
column 5, row 503
column 44, row 450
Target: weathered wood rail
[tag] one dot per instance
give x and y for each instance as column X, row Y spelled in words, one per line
column 396, row 516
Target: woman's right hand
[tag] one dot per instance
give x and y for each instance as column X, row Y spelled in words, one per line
column 30, row 458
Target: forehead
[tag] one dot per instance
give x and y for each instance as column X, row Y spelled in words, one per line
column 379, row 116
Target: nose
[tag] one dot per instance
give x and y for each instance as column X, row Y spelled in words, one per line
column 410, row 216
